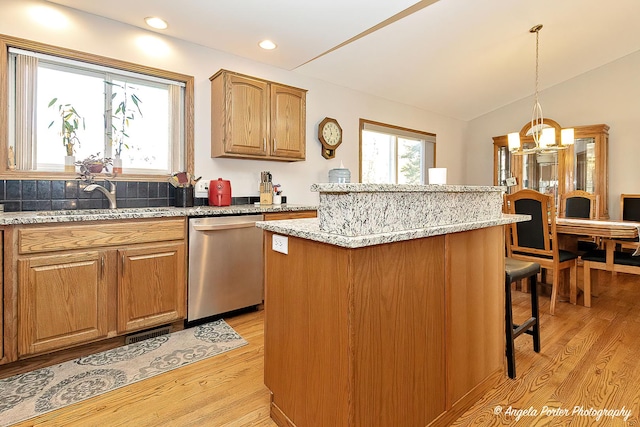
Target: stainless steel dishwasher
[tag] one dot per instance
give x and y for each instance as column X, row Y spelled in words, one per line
column 225, row 265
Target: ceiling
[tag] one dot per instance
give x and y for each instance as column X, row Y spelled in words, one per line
column 457, row 58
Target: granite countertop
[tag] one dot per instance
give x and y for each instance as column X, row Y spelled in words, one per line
column 401, row 188
column 309, row 229
column 80, row 215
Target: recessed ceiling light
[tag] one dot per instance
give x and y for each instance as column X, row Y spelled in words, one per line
column 157, row 23
column 267, row 44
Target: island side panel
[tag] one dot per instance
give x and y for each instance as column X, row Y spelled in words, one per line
column 398, row 333
column 475, row 295
column 306, row 332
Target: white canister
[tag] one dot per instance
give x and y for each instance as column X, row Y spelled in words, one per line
column 340, row 175
column 277, row 199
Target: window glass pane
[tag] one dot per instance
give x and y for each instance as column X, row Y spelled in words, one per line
column 147, row 144
column 410, row 161
column 154, row 130
column 378, row 158
column 86, row 94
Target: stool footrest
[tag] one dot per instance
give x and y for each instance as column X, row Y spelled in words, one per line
column 521, row 329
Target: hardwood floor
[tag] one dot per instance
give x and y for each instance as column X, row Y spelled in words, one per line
column 589, row 358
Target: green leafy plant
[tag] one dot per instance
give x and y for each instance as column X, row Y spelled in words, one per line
column 91, row 165
column 125, row 112
column 70, row 121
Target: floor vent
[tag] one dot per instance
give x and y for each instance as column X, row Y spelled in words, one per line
column 145, row 335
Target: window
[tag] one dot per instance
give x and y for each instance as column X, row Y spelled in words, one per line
column 394, row 155
column 127, row 111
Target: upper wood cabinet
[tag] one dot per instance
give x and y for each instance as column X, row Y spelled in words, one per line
column 256, row 119
column 581, row 166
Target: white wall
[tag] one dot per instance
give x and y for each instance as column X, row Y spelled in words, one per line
column 109, row 38
column 609, row 94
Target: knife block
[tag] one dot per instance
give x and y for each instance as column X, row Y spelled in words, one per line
column 266, row 193
column 266, row 198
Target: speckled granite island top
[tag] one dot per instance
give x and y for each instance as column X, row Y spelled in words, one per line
column 310, row 229
column 42, row 217
column 363, row 209
column 358, row 215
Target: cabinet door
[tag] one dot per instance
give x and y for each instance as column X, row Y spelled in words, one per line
column 288, row 122
column 151, row 286
column 62, row 301
column 246, row 115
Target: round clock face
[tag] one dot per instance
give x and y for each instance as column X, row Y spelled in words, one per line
column 331, row 133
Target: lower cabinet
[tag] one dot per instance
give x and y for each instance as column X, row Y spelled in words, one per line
column 62, row 301
column 276, row 216
column 134, row 279
column 147, row 291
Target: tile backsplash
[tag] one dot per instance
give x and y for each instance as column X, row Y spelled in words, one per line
column 45, row 195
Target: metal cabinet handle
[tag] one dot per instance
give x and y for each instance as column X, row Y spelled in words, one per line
column 123, row 264
column 275, row 144
column 264, row 144
column 102, row 266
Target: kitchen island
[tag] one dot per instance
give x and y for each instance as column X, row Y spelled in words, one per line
column 372, row 323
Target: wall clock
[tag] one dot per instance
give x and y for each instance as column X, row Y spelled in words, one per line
column 330, row 136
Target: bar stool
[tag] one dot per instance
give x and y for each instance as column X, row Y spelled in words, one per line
column 517, row 270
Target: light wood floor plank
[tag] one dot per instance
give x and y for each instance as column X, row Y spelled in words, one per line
column 589, row 357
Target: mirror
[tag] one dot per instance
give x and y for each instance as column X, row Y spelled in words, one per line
column 584, row 164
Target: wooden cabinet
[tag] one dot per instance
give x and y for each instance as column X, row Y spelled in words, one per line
column 81, row 283
column 275, row 216
column 256, row 119
column 288, row 123
column 147, row 291
column 401, row 334
column 62, row 301
column 581, row 166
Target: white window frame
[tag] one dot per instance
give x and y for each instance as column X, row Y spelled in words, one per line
column 427, row 139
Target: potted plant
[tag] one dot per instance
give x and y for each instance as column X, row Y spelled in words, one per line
column 93, row 164
column 125, row 112
column 70, row 121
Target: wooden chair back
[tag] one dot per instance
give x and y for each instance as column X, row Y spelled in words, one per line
column 532, row 237
column 536, row 240
column 630, row 207
column 579, row 204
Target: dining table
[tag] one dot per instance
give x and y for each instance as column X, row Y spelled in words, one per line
column 603, row 228
column 611, row 232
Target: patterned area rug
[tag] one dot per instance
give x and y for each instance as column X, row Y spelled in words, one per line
column 34, row 393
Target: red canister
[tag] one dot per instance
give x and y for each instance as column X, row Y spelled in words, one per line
column 220, row 192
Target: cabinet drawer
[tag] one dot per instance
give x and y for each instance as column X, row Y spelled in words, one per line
column 289, row 215
column 98, row 234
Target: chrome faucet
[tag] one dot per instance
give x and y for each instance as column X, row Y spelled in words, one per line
column 110, row 194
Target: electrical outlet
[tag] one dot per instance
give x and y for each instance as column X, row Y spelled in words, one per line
column 280, row 244
column 202, row 189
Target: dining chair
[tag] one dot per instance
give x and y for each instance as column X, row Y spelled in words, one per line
column 580, row 204
column 536, row 240
column 630, row 207
column 629, row 211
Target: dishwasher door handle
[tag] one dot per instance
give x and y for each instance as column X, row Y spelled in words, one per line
column 216, row 227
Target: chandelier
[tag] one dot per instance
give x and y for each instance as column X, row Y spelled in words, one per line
column 544, row 136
